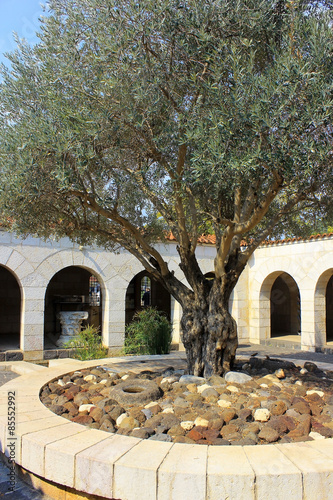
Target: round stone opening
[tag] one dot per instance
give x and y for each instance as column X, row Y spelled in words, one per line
column 133, row 390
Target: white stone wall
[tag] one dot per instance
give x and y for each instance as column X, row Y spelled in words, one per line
column 310, row 264
column 34, row 263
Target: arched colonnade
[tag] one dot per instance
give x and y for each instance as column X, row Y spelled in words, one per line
column 286, row 290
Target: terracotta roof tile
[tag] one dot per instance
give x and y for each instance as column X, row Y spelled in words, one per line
column 292, row 240
column 210, row 239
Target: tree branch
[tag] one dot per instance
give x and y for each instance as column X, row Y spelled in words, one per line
column 124, row 223
column 261, row 210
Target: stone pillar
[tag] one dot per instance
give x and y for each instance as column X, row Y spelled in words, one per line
column 114, row 315
column 308, row 340
column 32, row 322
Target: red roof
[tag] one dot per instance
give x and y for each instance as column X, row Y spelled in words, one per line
column 210, row 239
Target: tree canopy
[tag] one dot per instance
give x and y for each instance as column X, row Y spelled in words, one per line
column 134, row 119
column 168, row 116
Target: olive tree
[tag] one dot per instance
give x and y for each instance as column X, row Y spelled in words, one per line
column 134, row 120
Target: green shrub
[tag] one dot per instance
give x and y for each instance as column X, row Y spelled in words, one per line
column 87, row 345
column 149, row 333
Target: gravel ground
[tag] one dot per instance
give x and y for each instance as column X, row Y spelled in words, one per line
column 272, row 402
column 6, row 376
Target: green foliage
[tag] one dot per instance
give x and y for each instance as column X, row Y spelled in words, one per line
column 130, row 119
column 87, row 345
column 100, row 107
column 149, row 333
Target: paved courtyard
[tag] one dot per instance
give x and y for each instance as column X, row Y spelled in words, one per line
column 25, row 492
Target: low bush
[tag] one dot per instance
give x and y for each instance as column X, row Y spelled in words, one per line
column 87, row 345
column 149, row 333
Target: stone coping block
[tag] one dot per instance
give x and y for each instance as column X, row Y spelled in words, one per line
column 113, row 466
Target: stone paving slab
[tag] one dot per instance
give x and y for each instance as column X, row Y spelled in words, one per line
column 144, row 481
column 94, row 467
column 34, row 444
column 316, row 469
column 183, row 471
column 60, row 455
column 229, row 474
column 274, row 472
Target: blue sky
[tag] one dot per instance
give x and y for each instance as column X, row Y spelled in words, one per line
column 20, row 16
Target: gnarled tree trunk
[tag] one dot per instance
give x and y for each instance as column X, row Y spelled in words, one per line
column 209, row 334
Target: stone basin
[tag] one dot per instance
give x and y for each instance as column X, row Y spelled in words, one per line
column 70, row 325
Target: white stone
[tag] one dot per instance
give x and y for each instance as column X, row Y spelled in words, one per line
column 237, row 377
column 103, row 381
column 90, row 378
column 232, row 388
column 191, row 379
column 316, row 436
column 262, row 415
column 147, row 413
column 121, row 418
column 61, row 382
column 169, row 380
column 224, row 404
column 86, row 407
column 202, row 422
column 169, row 409
column 280, row 373
column 303, row 371
column 315, row 391
column 151, row 404
column 187, row 425
column 203, row 387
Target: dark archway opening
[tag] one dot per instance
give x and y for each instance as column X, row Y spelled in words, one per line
column 71, row 289
column 144, row 291
column 285, row 307
column 329, row 310
column 10, row 310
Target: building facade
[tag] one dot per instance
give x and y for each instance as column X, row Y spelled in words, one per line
column 285, row 292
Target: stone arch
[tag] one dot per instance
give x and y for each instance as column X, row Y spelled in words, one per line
column 10, row 309
column 279, row 306
column 137, row 296
column 72, row 288
column 323, row 305
column 329, row 310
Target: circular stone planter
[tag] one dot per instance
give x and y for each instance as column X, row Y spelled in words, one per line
column 135, row 392
column 116, row 466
